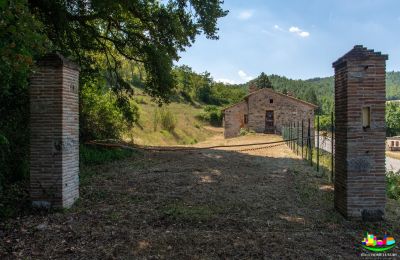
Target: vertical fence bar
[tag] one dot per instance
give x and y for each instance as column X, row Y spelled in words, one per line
column 332, row 145
column 317, row 143
column 297, row 137
column 309, row 142
column 293, row 137
column 302, row 139
column 290, row 135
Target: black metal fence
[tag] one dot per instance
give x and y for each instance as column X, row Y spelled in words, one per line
column 314, row 142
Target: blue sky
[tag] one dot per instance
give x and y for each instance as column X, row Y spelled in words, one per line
column 296, row 39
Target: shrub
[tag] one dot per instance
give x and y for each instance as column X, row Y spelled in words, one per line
column 165, row 118
column 245, row 131
column 212, row 115
column 325, row 123
column 101, row 118
column 393, row 185
column 168, row 120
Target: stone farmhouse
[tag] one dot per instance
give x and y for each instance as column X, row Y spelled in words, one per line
column 393, row 143
column 266, row 111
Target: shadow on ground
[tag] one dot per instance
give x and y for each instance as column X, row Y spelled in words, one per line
column 196, row 204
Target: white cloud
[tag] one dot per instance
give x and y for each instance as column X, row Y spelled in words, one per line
column 226, row 81
column 246, row 14
column 294, row 29
column 304, row 34
column 299, row 31
column 243, row 75
column 277, row 27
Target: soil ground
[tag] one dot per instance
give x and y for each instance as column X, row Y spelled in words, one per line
column 198, row 204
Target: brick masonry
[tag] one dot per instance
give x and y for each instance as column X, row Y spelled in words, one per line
column 360, row 151
column 286, row 110
column 54, row 142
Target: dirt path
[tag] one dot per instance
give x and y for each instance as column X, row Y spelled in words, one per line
column 201, row 204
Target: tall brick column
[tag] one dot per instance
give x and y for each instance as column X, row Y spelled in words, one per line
column 54, row 142
column 360, row 134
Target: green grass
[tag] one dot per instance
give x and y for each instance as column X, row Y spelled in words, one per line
column 325, row 160
column 91, row 155
column 180, row 211
column 187, row 128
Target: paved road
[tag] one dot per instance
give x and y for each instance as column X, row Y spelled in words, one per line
column 391, row 164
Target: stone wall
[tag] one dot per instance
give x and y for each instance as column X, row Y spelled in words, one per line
column 360, row 148
column 234, row 119
column 286, row 110
column 54, row 125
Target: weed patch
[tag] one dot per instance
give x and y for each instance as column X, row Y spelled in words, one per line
column 98, row 155
column 181, row 211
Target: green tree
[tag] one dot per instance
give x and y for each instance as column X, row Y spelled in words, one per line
column 149, row 32
column 393, row 119
column 21, row 40
column 263, row 81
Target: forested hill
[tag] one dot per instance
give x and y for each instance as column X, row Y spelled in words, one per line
column 392, row 84
column 320, row 90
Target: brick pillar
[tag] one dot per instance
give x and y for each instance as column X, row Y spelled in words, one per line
column 360, row 134
column 54, row 142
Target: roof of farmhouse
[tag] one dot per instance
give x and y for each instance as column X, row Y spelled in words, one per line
column 270, row 90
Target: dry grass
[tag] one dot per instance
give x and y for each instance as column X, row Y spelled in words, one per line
column 188, row 130
column 394, row 155
column 201, row 204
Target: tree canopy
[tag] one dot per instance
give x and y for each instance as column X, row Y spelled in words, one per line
column 148, row 32
column 263, row 81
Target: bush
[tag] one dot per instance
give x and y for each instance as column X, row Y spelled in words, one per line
column 212, row 115
column 245, row 131
column 168, row 120
column 164, row 117
column 325, row 123
column 101, row 118
column 393, row 185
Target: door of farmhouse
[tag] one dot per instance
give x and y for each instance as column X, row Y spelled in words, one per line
column 269, row 122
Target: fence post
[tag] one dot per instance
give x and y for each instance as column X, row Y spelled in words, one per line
column 332, row 145
column 317, row 143
column 297, row 138
column 309, row 141
column 290, row 135
column 302, row 139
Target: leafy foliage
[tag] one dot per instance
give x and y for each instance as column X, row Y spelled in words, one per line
column 212, row 114
column 105, row 38
column 20, row 41
column 100, row 116
column 393, row 185
column 194, row 87
column 325, row 122
column 262, row 81
column 148, row 32
column 393, row 119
